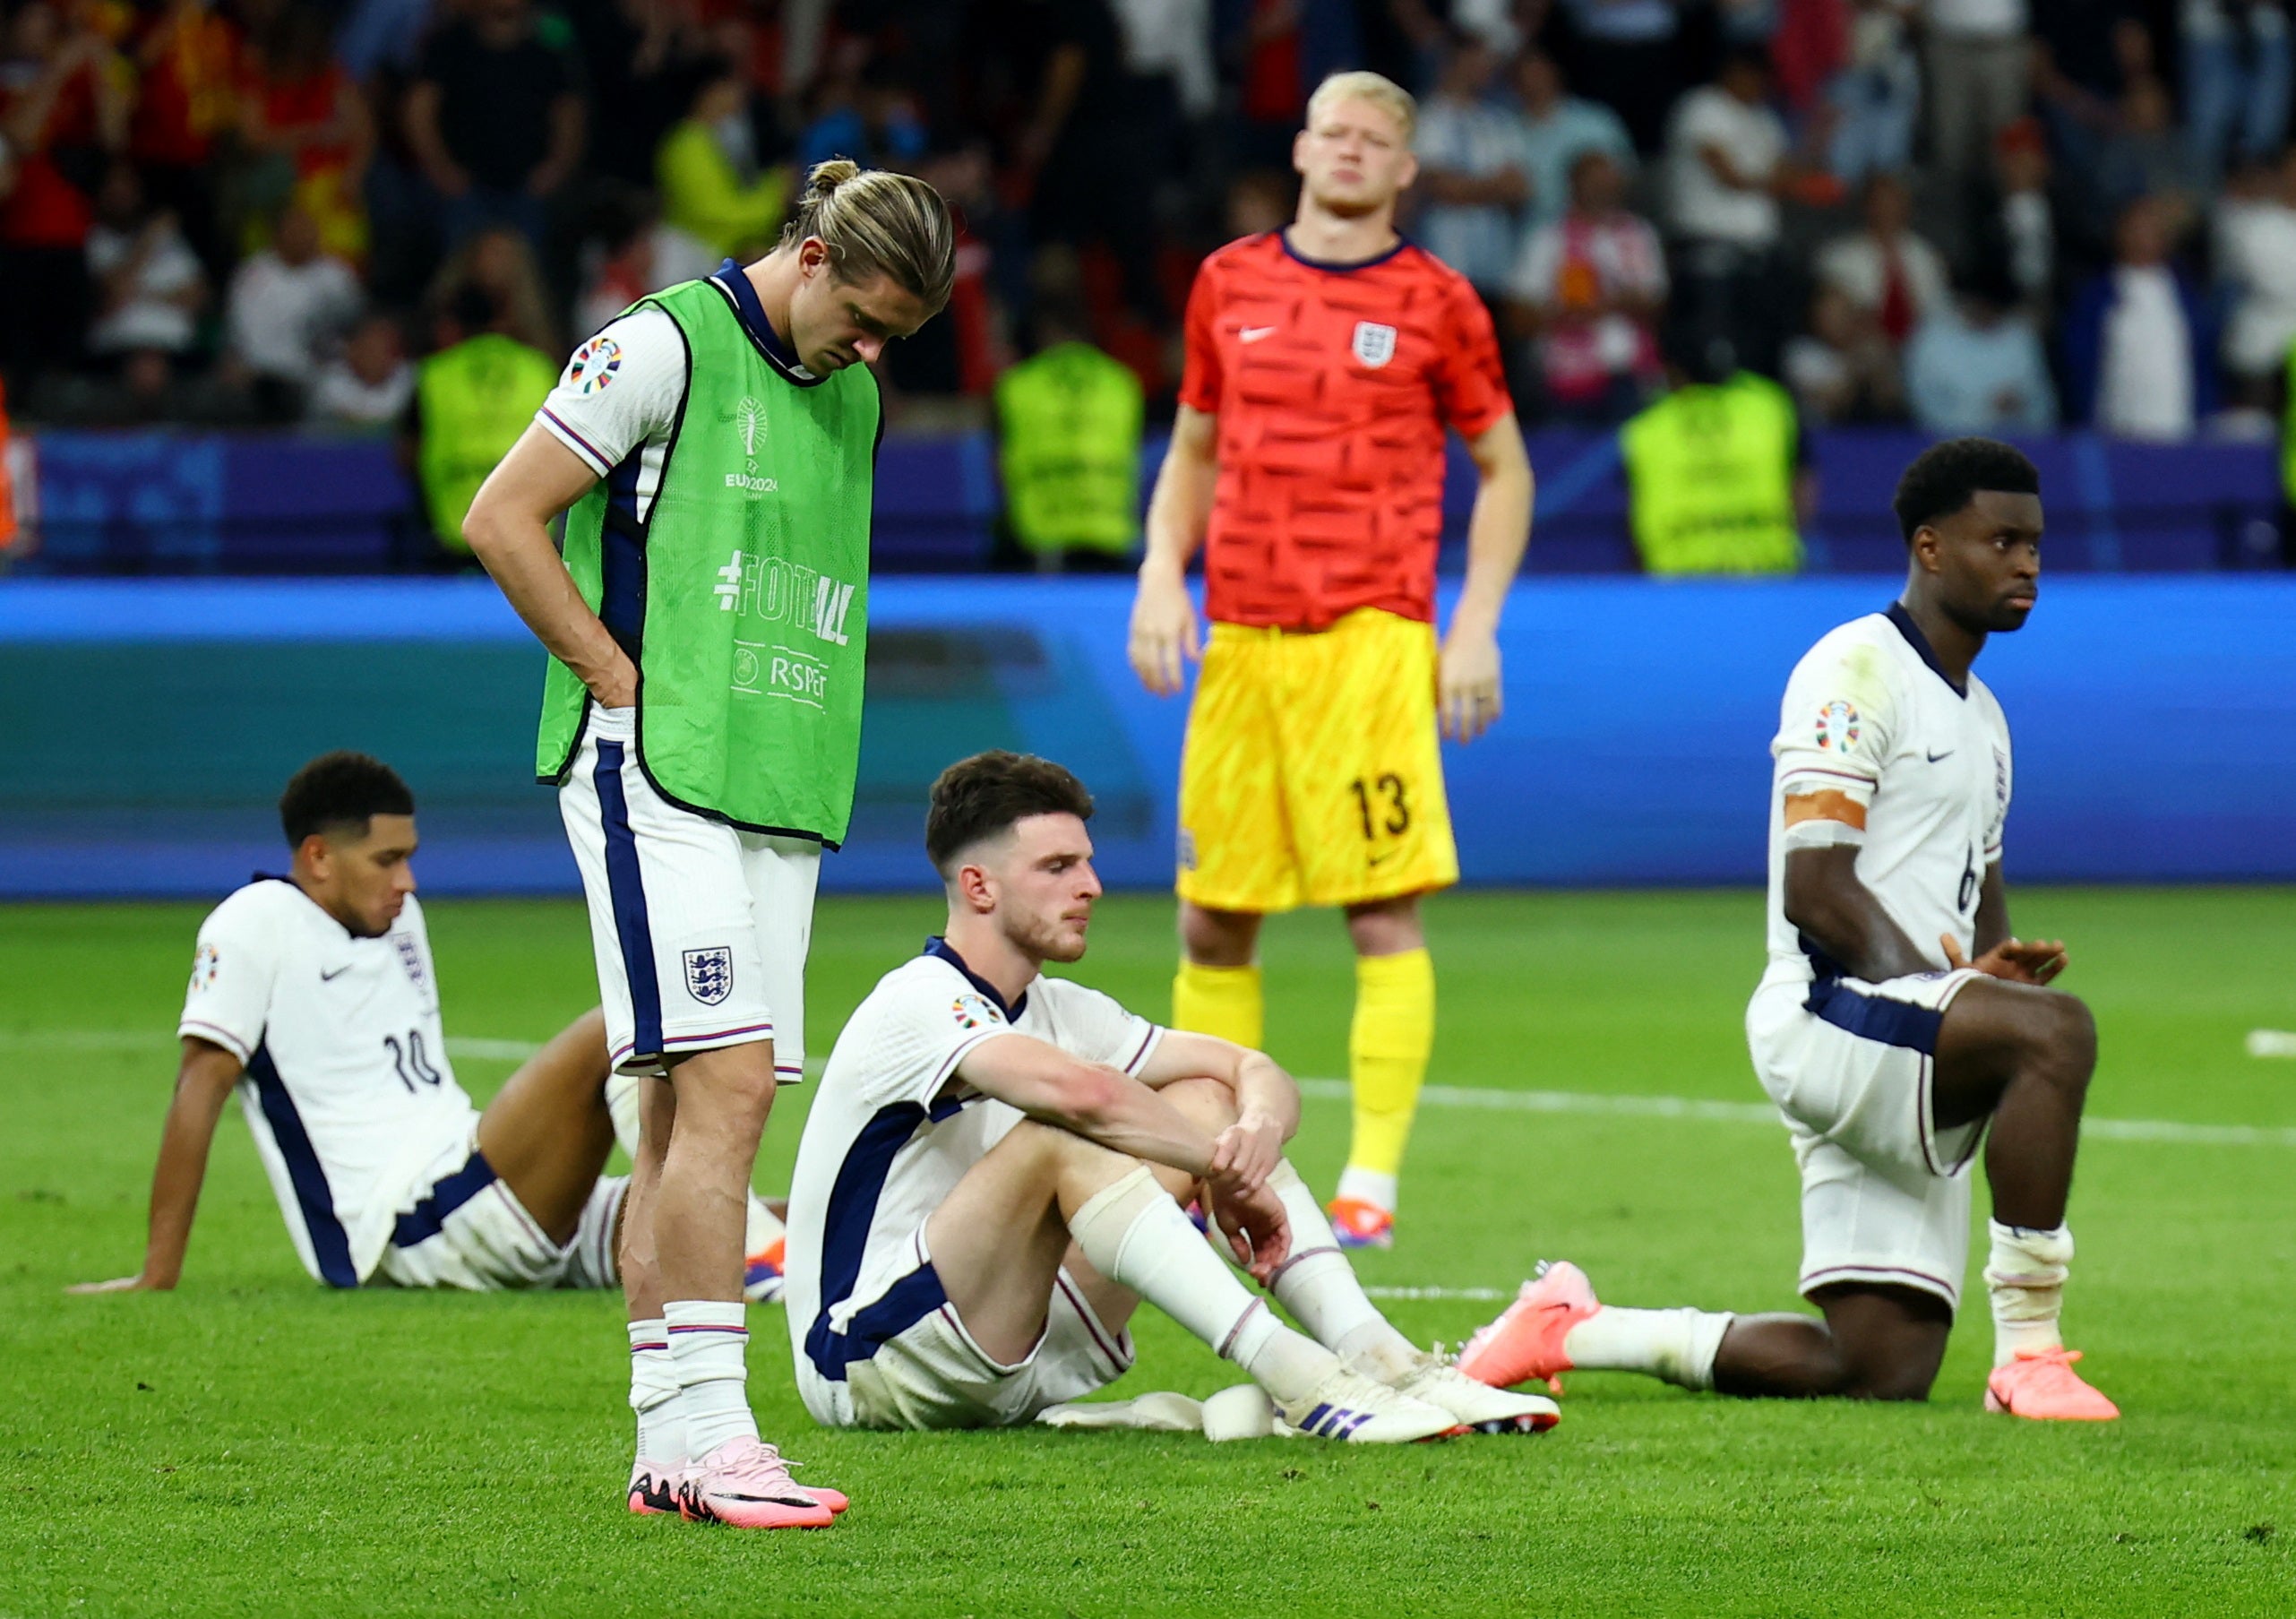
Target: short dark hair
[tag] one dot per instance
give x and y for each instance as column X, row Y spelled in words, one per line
column 341, row 789
column 983, row 795
column 1945, row 478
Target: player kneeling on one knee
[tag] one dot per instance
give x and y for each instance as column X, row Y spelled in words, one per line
column 314, row 997
column 1899, row 1017
column 993, row 1176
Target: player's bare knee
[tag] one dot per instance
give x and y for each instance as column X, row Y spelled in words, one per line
column 1207, row 1103
column 1219, row 938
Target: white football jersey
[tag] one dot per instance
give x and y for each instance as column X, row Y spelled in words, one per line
column 347, row 1088
column 890, row 1134
column 1869, row 714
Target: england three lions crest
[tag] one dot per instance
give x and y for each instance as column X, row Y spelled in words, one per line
column 709, row 974
column 1374, row 344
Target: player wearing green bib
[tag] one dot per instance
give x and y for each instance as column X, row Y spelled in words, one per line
column 712, row 451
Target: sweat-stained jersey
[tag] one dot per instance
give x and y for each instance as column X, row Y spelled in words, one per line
column 1333, row 385
column 1869, row 714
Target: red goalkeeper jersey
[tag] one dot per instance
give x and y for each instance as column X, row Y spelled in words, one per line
column 1333, row 385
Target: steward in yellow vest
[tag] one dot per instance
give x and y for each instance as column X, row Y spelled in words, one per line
column 1069, row 450
column 472, row 399
column 1710, row 474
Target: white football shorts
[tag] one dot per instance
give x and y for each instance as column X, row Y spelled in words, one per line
column 1885, row 1194
column 701, row 931
column 461, row 1226
column 931, row 1374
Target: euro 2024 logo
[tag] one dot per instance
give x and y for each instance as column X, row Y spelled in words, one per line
column 749, row 421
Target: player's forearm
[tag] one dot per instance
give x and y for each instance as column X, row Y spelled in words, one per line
column 175, row 1182
column 1178, row 511
column 517, row 551
column 1128, row 1118
column 1498, row 533
column 1828, row 906
column 1264, row 1089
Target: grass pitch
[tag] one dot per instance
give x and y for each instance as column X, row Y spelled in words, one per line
column 252, row 1444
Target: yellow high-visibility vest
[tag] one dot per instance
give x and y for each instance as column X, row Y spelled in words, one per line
column 1710, row 479
column 1069, row 450
column 475, row 399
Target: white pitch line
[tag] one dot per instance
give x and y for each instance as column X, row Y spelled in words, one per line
column 1483, row 1295
column 2271, row 1043
column 1337, row 1090
column 1757, row 1113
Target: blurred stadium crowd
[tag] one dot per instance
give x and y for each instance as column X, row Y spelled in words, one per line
column 1965, row 214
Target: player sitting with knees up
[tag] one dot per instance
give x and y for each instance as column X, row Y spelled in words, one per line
column 1899, row 1018
column 994, row 1173
column 314, row 997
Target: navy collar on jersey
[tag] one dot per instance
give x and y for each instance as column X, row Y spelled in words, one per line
column 1920, row 642
column 730, row 280
column 1283, row 240
column 938, row 946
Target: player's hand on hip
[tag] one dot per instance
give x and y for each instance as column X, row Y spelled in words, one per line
column 1254, row 1222
column 1164, row 638
column 1246, row 1153
column 616, row 687
column 1466, row 684
column 2019, row 960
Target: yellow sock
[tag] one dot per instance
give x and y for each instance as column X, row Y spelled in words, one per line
column 1387, row 1060
column 1223, row 1000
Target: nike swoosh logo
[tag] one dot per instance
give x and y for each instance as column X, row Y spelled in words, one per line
column 329, row 977
column 1375, row 859
column 1935, row 757
column 1253, row 334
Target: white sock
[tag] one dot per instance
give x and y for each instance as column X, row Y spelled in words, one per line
column 1319, row 1286
column 1676, row 1345
column 707, row 1342
column 654, row 1394
column 1367, row 1186
column 622, row 1102
column 1133, row 1233
column 2025, row 1274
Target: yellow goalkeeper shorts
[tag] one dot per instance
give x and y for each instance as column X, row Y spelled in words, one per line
column 1313, row 774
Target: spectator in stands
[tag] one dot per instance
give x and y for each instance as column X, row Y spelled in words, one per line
column 1471, row 171
column 2256, row 264
column 149, row 284
column 859, row 112
column 1068, row 426
column 1976, row 75
column 2237, row 69
column 305, row 130
column 62, row 113
column 706, row 171
column 2144, row 155
column 473, row 398
column 2086, row 54
column 641, row 62
column 1874, row 94
column 1556, row 129
column 1891, row 276
column 189, row 64
column 1976, row 365
column 633, row 252
column 495, row 118
column 1588, row 290
column 1727, row 165
column 288, row 306
column 1841, row 369
column 500, row 262
column 2139, row 355
column 1627, row 55
column 2019, row 225
column 370, row 384
column 1718, row 472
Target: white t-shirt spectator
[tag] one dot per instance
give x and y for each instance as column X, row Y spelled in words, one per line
column 342, row 397
column 1569, row 264
column 1471, row 138
column 150, row 318
column 1754, row 140
column 1857, row 267
column 2256, row 257
column 2145, row 390
column 283, row 316
column 1978, row 19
